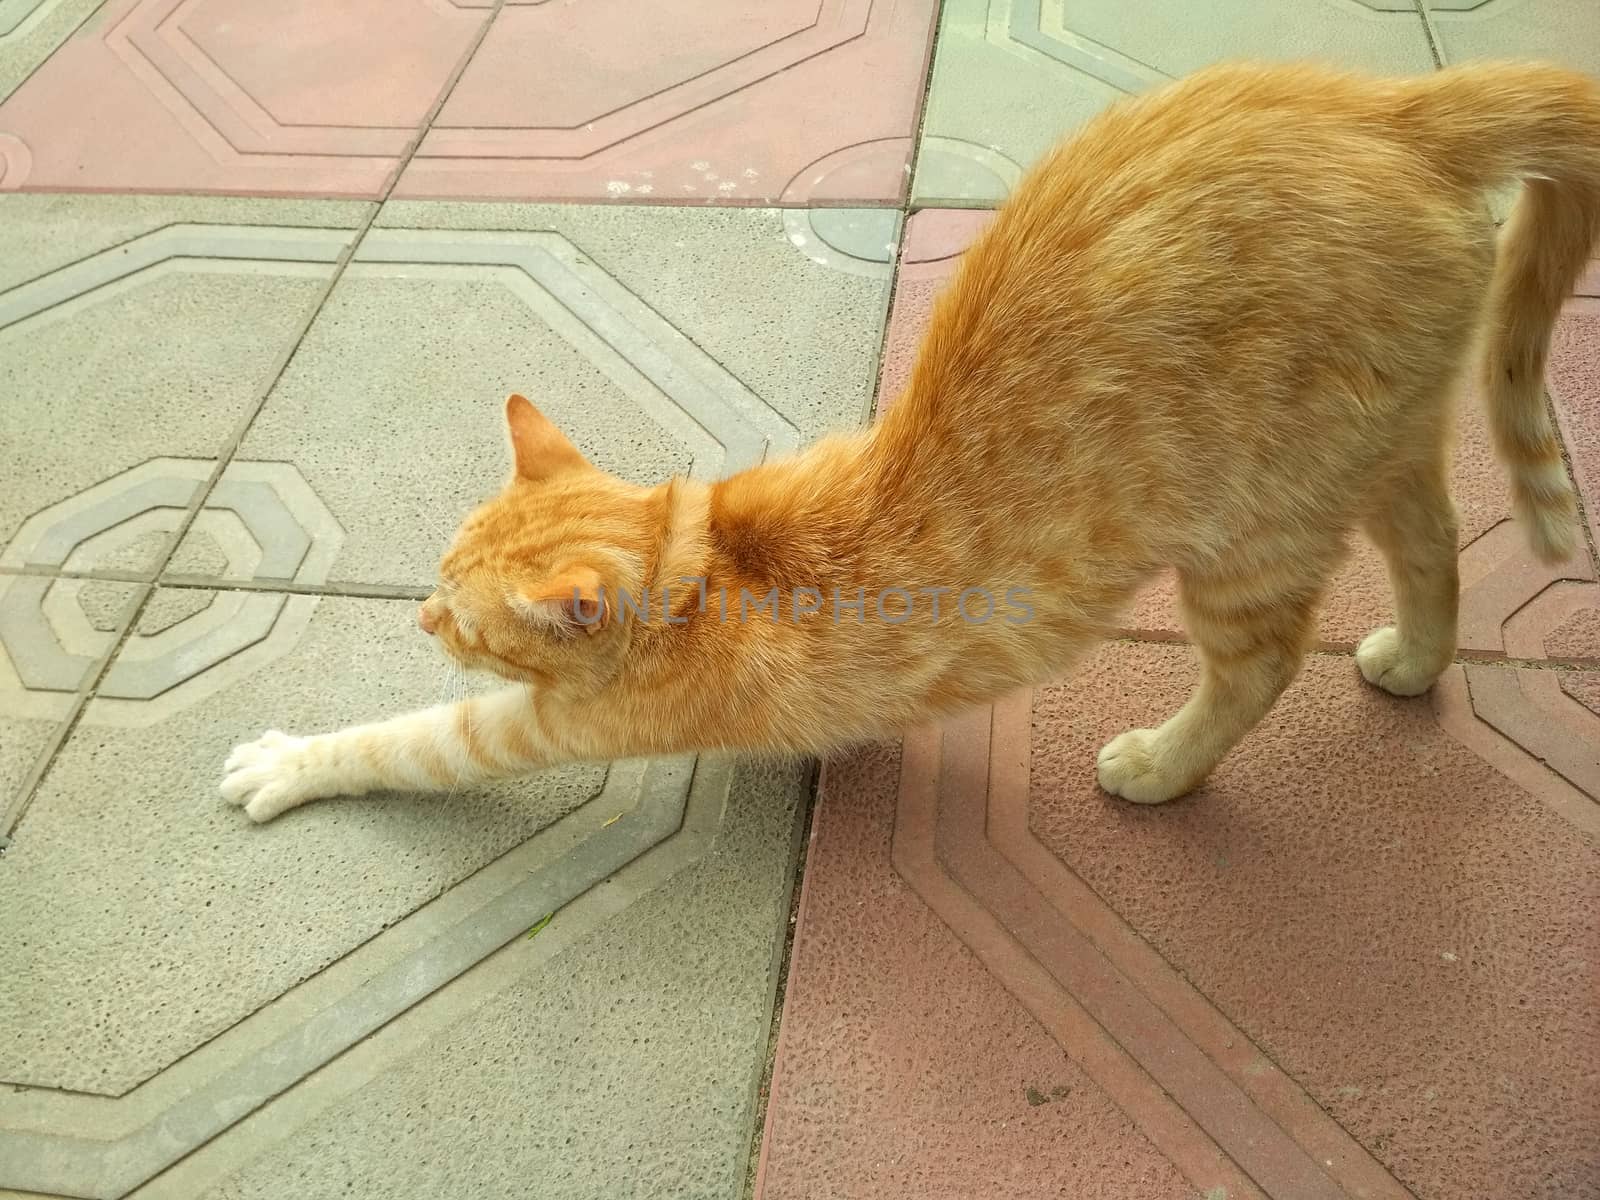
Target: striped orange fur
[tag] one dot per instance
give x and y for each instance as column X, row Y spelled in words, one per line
column 1216, row 331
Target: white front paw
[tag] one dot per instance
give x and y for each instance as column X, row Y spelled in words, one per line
column 273, row 774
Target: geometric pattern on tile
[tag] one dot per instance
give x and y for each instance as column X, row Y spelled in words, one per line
column 224, row 116
column 726, row 426
column 262, row 517
column 858, row 241
column 1217, row 1106
column 14, row 12
column 1012, row 77
column 1230, row 1120
column 227, row 248
column 219, row 97
column 661, row 815
column 693, row 105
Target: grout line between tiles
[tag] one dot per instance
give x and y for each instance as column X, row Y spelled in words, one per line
column 784, row 959
column 906, row 207
column 1435, row 46
column 43, row 761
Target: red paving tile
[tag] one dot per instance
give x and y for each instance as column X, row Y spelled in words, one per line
column 905, row 1067
column 291, row 98
column 1362, row 961
column 1574, row 380
column 689, row 101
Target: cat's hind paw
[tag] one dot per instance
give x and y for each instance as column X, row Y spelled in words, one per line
column 271, row 775
column 1130, row 766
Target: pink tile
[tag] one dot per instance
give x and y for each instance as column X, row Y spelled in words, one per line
column 904, row 1067
column 299, row 97
column 1501, row 581
column 1574, row 379
column 686, row 101
column 1391, row 899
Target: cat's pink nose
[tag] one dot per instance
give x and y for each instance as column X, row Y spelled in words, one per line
column 426, row 620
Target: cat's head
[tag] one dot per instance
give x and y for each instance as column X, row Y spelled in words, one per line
column 529, row 587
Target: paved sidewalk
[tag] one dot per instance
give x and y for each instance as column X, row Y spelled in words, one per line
column 266, row 273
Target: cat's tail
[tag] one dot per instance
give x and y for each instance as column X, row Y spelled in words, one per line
column 1494, row 124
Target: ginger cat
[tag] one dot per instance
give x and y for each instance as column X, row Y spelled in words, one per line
column 1215, row 331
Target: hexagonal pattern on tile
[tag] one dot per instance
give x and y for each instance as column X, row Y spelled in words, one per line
column 299, row 940
column 1358, row 961
column 1011, row 77
column 215, row 95
column 685, row 102
column 132, row 330
column 1501, row 581
column 613, row 320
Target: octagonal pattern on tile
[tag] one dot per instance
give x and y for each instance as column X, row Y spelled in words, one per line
column 905, row 1067
column 1360, row 961
column 132, row 330
column 261, row 521
column 242, row 960
column 216, row 95
column 613, row 320
column 685, row 102
column 1011, row 77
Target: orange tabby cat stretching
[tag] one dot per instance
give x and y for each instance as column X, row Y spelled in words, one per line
column 1216, row 331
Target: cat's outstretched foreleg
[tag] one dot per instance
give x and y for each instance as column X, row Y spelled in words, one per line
column 437, row 749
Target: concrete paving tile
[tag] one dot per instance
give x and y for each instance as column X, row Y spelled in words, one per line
column 30, row 31
column 622, row 1062
column 1395, row 906
column 1011, row 77
column 21, row 740
column 905, row 1067
column 219, row 95
column 188, row 996
column 685, row 102
column 1563, row 31
column 1509, row 601
column 152, row 918
column 133, row 330
column 615, row 320
column 53, row 633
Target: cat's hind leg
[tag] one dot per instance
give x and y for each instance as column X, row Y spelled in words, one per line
column 1416, row 531
column 1251, row 629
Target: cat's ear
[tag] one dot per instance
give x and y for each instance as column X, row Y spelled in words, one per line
column 575, row 597
column 538, row 448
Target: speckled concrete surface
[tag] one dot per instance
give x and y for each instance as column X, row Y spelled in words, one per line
column 1556, row 30
column 620, row 1066
column 165, row 920
column 128, row 367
